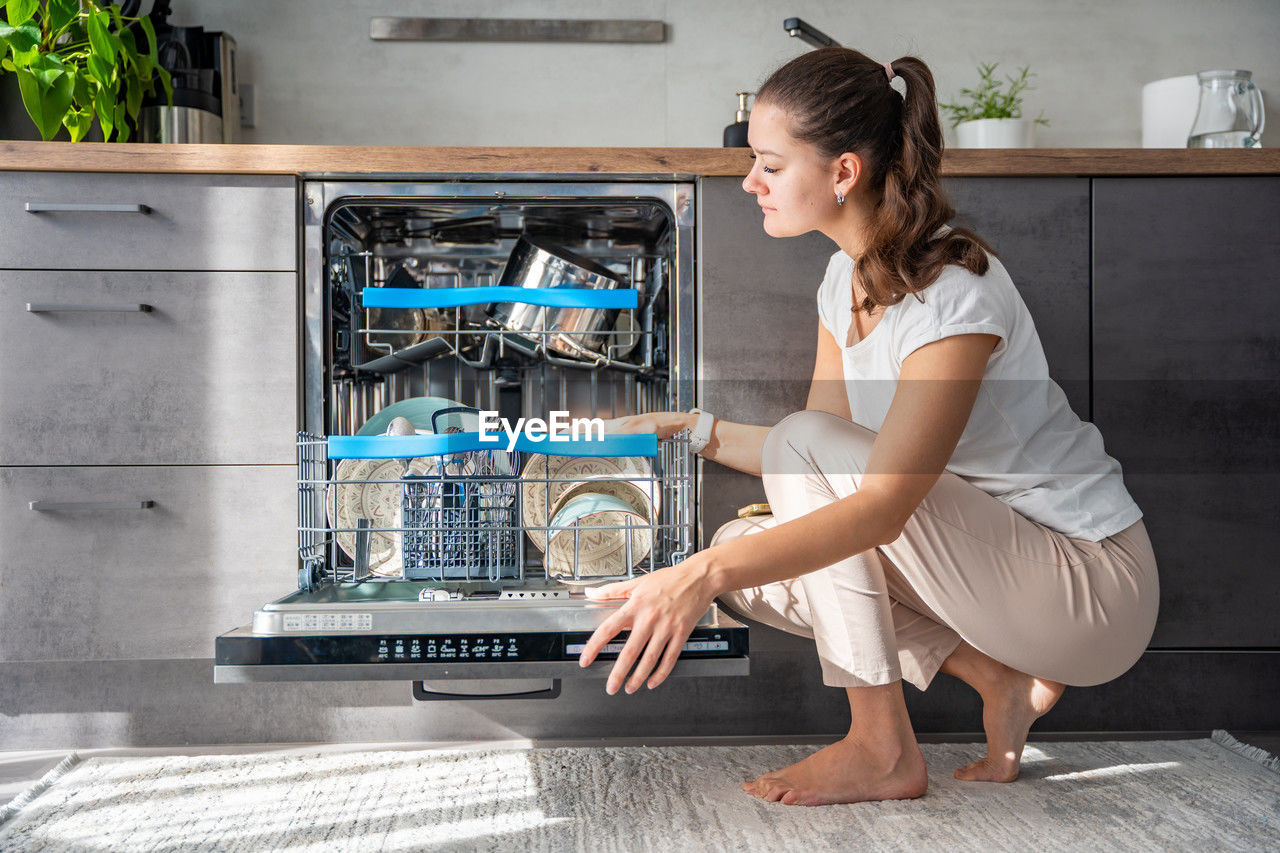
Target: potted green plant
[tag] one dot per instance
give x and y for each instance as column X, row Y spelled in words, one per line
column 77, row 61
column 992, row 118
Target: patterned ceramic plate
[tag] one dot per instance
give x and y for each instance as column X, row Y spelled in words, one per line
column 639, row 495
column 352, row 497
column 536, row 498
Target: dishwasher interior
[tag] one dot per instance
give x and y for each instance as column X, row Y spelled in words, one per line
column 379, row 356
column 457, row 569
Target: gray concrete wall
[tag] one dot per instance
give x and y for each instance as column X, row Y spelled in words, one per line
column 321, row 80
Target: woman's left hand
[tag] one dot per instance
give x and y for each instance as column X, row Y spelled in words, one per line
column 661, row 608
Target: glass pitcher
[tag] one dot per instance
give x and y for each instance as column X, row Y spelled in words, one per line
column 1230, row 113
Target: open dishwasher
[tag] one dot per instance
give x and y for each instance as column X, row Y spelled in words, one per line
column 431, row 550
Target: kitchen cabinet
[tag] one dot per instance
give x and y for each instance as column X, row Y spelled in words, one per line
column 1186, row 360
column 1039, row 228
column 147, row 461
column 757, row 316
column 1122, row 278
column 138, row 562
column 88, row 220
column 109, row 614
column 757, row 330
column 204, row 375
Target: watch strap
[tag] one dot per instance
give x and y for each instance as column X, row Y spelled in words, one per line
column 700, row 435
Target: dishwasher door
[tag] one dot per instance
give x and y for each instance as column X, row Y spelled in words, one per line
column 348, row 634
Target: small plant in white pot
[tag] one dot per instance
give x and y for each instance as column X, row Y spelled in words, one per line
column 992, row 118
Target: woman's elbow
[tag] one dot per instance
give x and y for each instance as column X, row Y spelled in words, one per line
column 890, row 534
column 888, row 518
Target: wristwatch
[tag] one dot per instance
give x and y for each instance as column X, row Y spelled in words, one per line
column 700, row 435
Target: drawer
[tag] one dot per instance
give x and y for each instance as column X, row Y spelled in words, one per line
column 128, row 583
column 208, row 375
column 88, row 220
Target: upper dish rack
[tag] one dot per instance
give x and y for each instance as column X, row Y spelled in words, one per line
column 453, row 304
column 380, row 243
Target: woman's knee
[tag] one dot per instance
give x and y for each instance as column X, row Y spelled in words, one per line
column 736, row 527
column 796, row 437
column 779, row 605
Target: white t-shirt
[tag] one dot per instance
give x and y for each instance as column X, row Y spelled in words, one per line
column 1023, row 444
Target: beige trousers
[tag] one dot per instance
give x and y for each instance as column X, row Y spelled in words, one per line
column 967, row 566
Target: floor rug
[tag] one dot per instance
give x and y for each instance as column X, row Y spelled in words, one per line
column 1104, row 795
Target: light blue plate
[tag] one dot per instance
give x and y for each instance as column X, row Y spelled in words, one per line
column 417, row 409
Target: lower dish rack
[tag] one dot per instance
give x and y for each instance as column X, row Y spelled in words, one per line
column 448, row 511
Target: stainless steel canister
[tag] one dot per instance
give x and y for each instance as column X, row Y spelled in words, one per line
column 568, row 331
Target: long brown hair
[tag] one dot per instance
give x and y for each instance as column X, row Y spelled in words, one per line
column 839, row 100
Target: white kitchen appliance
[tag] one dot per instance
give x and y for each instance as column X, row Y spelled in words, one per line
column 1168, row 109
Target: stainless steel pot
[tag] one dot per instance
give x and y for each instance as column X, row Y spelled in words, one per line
column 568, row 331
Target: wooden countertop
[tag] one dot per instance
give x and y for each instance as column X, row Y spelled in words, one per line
column 596, row 162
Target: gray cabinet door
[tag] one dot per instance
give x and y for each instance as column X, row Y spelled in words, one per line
column 1186, row 344
column 121, row 582
column 208, row 375
column 87, row 220
column 1039, row 228
column 757, row 329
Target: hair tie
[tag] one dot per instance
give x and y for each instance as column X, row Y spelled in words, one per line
column 888, row 69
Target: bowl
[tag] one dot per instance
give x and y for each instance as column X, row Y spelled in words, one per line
column 598, row 554
column 419, row 411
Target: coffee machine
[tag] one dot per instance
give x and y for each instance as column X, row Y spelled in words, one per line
column 206, row 91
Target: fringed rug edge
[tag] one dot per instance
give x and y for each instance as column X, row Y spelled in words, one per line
column 20, row 802
column 1224, row 739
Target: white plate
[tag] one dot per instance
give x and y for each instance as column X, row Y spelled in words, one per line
column 536, row 498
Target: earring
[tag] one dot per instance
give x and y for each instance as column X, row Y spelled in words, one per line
column 839, row 199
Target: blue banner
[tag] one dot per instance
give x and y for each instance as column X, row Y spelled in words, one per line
column 453, row 297
column 410, row 446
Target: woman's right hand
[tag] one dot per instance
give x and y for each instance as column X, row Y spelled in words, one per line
column 661, row 424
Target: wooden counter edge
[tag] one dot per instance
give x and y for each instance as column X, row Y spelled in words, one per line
column 602, row 162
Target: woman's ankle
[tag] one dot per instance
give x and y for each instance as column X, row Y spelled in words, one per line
column 973, row 668
column 879, row 722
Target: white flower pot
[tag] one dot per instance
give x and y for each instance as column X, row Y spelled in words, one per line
column 996, row 133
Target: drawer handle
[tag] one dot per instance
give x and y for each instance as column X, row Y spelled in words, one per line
column 45, row 307
column 85, row 207
column 80, row 506
column 423, row 693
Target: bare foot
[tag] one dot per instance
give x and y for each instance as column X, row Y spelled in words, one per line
column 847, row 771
column 1011, row 702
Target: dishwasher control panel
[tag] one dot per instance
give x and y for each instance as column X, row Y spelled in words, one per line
column 258, row 650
